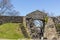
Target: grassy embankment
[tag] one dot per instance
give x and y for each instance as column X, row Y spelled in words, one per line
column 10, row 30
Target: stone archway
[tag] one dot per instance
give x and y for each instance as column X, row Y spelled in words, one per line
column 35, row 31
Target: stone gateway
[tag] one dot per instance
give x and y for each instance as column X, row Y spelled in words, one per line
column 37, row 24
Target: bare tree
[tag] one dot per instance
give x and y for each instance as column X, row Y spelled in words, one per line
column 6, row 8
column 13, row 13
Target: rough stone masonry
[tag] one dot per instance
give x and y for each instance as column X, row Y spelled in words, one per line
column 47, row 32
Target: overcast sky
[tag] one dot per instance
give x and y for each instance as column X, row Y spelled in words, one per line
column 27, row 6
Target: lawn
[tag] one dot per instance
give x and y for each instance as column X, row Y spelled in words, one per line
column 11, row 31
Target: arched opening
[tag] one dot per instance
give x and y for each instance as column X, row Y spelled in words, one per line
column 39, row 26
column 38, row 23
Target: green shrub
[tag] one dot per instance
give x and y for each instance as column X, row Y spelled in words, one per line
column 58, row 26
column 46, row 19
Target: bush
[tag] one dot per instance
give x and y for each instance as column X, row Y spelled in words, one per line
column 46, row 19
column 58, row 27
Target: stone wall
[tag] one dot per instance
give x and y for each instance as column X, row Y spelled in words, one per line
column 50, row 30
column 13, row 19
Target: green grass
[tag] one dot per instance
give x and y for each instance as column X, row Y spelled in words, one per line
column 11, row 31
